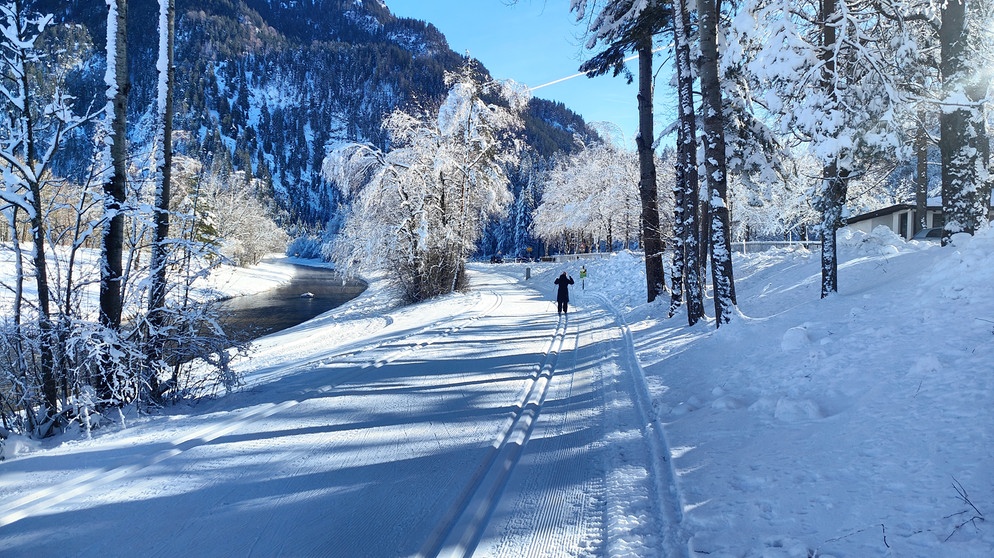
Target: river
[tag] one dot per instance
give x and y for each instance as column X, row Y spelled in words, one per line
column 310, row 292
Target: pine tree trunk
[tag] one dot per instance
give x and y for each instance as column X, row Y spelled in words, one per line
column 984, row 188
column 648, row 190
column 830, row 202
column 834, row 186
column 921, row 180
column 679, row 242
column 714, row 164
column 687, row 282
column 703, row 236
column 962, row 136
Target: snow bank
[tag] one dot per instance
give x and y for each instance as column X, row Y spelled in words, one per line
column 857, row 425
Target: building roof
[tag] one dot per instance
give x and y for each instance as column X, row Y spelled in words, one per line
column 884, row 211
column 932, row 204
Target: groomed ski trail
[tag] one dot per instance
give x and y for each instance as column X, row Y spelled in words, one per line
column 489, row 428
column 599, row 444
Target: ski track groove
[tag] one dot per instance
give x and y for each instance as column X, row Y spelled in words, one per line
column 667, row 490
column 550, row 524
column 546, row 521
column 459, row 532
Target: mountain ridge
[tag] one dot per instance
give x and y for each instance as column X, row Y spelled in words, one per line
column 265, row 86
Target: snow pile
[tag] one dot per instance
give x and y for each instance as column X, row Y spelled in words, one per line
column 966, row 276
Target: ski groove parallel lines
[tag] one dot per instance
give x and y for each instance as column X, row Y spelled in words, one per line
column 536, row 519
column 663, row 473
column 460, row 530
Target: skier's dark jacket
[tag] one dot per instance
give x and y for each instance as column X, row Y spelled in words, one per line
column 563, row 281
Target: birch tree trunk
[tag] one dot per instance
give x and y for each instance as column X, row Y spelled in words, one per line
column 116, row 184
column 157, row 290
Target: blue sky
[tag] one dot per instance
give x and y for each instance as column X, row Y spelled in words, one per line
column 534, row 42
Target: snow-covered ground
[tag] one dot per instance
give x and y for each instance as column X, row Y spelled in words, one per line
column 855, row 426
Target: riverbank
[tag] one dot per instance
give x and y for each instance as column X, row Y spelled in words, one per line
column 275, row 270
column 311, row 291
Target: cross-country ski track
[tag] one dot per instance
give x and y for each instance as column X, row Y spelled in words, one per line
column 498, row 429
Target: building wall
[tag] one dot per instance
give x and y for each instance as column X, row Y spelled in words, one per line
column 894, row 221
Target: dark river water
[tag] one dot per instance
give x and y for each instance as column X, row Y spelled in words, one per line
column 251, row 316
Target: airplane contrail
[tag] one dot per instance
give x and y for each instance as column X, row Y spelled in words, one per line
column 560, row 80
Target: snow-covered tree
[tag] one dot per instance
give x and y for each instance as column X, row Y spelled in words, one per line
column 72, row 361
column 163, row 178
column 39, row 115
column 215, row 218
column 966, row 58
column 778, row 207
column 687, row 282
column 830, row 78
column 244, row 233
column 419, row 209
column 715, row 167
column 591, row 197
column 624, row 26
column 115, row 191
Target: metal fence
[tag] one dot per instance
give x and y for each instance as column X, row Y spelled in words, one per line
column 576, row 257
column 754, row 246
column 750, row 247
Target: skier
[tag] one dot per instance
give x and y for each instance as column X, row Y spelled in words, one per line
column 583, row 277
column 562, row 297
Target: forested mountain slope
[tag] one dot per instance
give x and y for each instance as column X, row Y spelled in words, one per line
column 266, row 86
